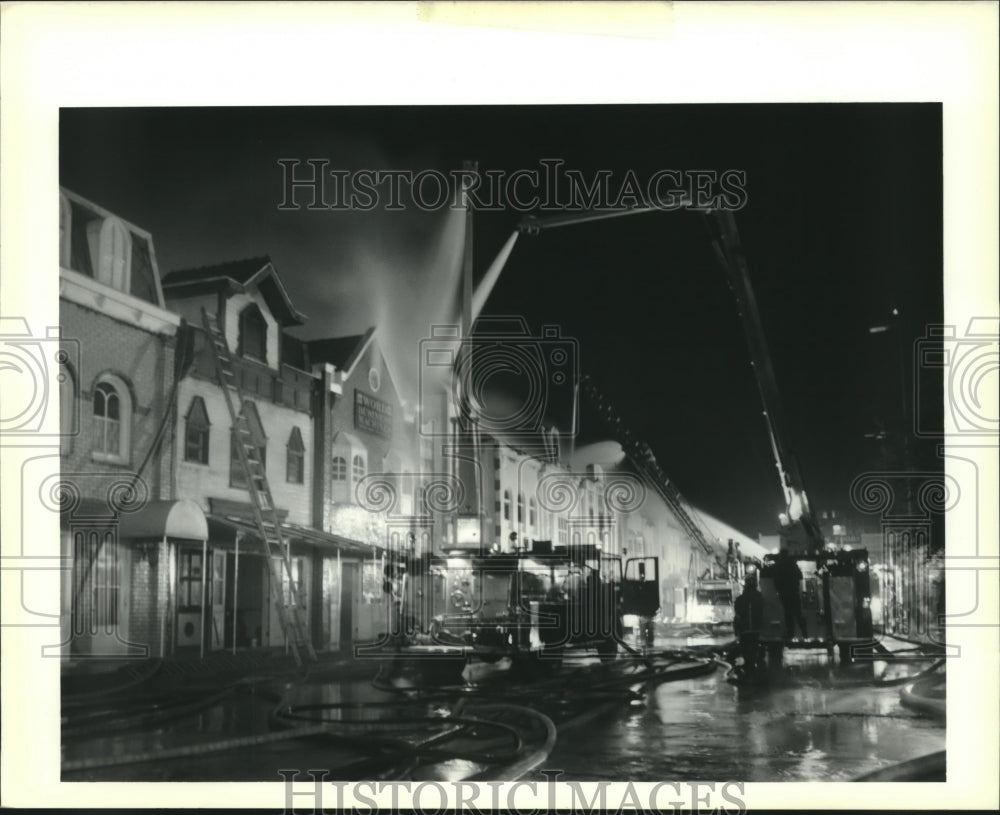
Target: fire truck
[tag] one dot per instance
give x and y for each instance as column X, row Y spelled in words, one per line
column 535, row 604
column 835, row 594
column 835, row 599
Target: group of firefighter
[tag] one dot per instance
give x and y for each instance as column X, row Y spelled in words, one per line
column 748, row 609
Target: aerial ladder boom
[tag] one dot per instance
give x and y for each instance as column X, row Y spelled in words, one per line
column 729, row 253
column 648, row 467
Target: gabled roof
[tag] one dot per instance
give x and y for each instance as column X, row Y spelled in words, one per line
column 342, row 352
column 239, row 270
column 237, row 276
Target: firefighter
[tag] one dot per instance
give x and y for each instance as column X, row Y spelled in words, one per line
column 787, row 580
column 748, row 618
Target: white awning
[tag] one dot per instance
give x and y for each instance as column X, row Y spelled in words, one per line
column 159, row 519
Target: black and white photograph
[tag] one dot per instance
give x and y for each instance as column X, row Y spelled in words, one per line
column 626, row 451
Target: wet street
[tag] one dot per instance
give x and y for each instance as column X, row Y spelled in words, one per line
column 817, row 723
column 812, row 720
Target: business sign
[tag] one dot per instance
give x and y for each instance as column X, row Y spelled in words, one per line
column 373, row 415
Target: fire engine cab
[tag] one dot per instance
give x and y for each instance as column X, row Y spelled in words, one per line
column 535, row 604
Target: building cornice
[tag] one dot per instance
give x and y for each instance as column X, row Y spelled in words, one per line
column 87, row 292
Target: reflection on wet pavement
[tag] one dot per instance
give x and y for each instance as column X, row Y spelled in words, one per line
column 812, row 720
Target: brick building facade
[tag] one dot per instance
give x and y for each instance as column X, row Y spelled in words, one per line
column 116, row 458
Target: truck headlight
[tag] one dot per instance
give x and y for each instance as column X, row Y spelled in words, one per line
column 862, row 566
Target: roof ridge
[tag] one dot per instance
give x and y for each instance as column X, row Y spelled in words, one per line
column 262, row 259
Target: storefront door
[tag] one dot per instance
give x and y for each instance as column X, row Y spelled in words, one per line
column 218, row 600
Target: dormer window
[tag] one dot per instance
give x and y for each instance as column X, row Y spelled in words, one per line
column 114, row 252
column 253, row 334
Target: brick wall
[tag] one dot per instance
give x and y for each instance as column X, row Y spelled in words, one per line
column 144, row 361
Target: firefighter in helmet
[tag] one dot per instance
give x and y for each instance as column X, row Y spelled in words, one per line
column 748, row 618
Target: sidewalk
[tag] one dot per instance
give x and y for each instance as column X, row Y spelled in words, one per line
column 86, row 677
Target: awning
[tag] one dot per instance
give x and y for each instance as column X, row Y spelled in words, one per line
column 159, row 519
column 295, row 533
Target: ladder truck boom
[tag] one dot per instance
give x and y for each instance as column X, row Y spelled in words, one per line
column 645, row 462
column 729, row 253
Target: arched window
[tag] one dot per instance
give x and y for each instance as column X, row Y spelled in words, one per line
column 114, row 253
column 591, row 538
column 576, row 539
column 295, row 464
column 425, row 541
column 253, row 333
column 339, row 469
column 520, row 507
column 506, row 505
column 237, row 476
column 112, row 419
column 358, row 468
column 532, row 513
column 196, row 432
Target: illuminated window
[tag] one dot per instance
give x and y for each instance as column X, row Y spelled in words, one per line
column 339, row 468
column 189, row 579
column 520, row 507
column 358, row 468
column 296, row 458
column 196, row 432
column 97, row 582
column 506, row 505
column 532, row 513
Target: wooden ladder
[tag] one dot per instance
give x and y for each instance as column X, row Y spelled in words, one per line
column 264, row 512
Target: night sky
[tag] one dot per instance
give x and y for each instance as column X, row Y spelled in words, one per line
column 843, row 224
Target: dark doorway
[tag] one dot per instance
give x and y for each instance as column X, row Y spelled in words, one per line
column 348, row 577
column 245, row 586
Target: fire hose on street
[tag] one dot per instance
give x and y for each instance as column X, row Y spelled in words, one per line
column 501, row 731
